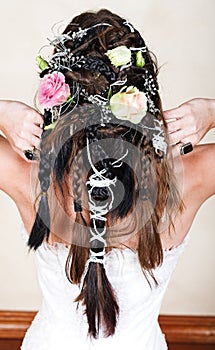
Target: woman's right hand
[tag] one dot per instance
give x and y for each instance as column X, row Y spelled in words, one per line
column 22, row 126
column 190, row 121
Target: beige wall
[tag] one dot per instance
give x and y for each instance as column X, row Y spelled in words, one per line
column 181, row 33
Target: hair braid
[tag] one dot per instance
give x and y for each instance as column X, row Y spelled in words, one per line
column 97, row 293
column 41, row 227
column 79, row 251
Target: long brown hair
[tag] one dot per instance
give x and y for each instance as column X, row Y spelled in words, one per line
column 140, row 175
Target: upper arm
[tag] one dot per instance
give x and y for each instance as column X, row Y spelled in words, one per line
column 14, row 171
column 207, row 168
column 200, row 172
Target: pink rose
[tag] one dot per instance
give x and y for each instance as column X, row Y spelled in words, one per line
column 53, row 90
column 129, row 105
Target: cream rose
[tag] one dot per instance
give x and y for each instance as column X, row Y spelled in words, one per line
column 119, row 56
column 129, row 105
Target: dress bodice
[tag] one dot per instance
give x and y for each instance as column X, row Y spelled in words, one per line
column 60, row 325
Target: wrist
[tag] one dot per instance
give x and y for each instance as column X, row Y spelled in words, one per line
column 3, row 110
column 211, row 109
column 7, row 108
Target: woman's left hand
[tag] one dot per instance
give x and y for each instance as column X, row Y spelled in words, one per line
column 189, row 122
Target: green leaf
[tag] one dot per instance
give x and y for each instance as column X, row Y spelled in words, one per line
column 140, row 62
column 70, row 99
column 51, row 126
column 110, row 93
column 42, row 64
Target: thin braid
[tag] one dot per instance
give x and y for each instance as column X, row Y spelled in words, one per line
column 41, row 227
column 145, row 170
column 79, row 252
column 78, row 179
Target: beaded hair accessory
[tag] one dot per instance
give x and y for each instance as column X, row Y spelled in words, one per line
column 52, row 72
column 129, row 104
column 98, row 212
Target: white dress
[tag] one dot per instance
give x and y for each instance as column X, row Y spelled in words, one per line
column 59, row 325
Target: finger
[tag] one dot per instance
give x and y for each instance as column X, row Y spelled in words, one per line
column 22, row 155
column 174, row 125
column 175, row 113
column 36, row 131
column 176, row 137
column 22, row 144
column 28, row 143
column 174, row 150
column 35, row 142
column 38, row 119
column 193, row 138
column 32, row 154
column 181, row 149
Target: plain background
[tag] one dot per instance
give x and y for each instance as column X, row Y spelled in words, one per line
column 181, row 33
